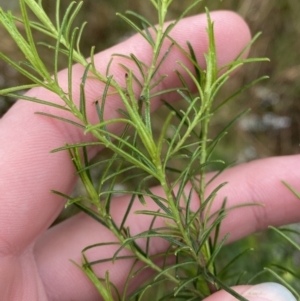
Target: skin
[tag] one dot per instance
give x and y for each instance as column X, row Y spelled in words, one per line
column 35, row 261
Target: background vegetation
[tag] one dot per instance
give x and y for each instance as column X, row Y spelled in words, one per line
column 271, row 128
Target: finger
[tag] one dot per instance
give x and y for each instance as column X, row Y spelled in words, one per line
column 260, row 292
column 258, row 181
column 28, row 172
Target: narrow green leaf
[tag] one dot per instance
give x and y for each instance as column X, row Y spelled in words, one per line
column 163, row 132
column 127, row 211
column 158, row 202
column 128, row 21
column 139, row 64
column 61, row 119
column 79, row 37
column 178, row 114
column 185, row 176
column 34, row 56
column 163, row 92
column 223, row 132
column 142, row 199
column 100, row 128
column 132, row 177
column 160, row 63
column 286, row 270
column 20, row 88
column 138, row 295
column 162, row 40
column 184, row 283
column 57, row 15
column 148, row 239
column 133, row 75
column 194, row 58
column 218, row 226
column 65, row 196
column 71, row 21
column 37, row 26
column 155, row 84
column 223, row 273
column 141, row 18
column 146, row 29
column 217, row 250
column 104, row 98
column 188, row 99
column 109, row 259
column 193, row 78
column 287, row 238
column 212, row 71
column 23, row 71
column 188, row 210
column 103, row 291
column 207, row 232
column 60, row 36
column 33, row 99
column 209, row 200
column 176, row 266
column 117, row 172
column 175, row 146
column 173, row 240
column 39, row 12
column 238, row 92
column 248, row 46
column 224, row 286
column 82, row 99
column 292, row 189
column 131, row 244
column 70, row 71
column 86, row 163
column 75, row 145
column 284, row 282
column 101, row 244
column 153, row 213
column 91, row 213
column 108, row 199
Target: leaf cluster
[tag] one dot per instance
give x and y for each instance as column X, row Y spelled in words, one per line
column 192, row 235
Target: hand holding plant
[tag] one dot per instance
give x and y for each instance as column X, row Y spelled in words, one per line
column 125, row 85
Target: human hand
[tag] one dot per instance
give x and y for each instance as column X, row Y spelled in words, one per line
column 34, row 261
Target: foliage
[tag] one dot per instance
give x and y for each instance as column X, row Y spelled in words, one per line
column 187, row 232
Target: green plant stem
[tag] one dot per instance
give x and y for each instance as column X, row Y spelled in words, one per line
column 177, row 218
column 140, row 256
column 145, row 93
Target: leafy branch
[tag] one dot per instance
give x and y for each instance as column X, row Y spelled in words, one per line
column 187, row 233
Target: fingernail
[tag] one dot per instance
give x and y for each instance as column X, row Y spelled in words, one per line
column 269, row 292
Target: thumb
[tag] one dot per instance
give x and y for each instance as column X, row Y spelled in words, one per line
column 261, row 292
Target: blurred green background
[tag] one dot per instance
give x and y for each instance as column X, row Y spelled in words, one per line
column 271, row 128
